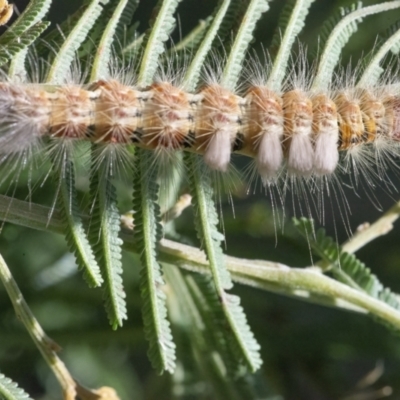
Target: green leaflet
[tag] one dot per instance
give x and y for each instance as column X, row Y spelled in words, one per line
column 30, row 25
column 197, row 300
column 65, row 55
column 76, row 237
column 33, row 13
column 56, row 36
column 241, row 340
column 15, row 45
column 9, row 390
column 121, row 11
column 147, row 233
column 344, row 266
column 147, row 230
column 233, row 66
column 243, row 343
column 153, row 43
column 373, row 70
column 75, row 232
column 104, row 236
column 193, row 73
column 207, row 302
column 194, row 38
column 339, row 36
column 292, row 22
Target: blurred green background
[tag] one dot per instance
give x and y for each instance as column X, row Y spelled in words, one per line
column 309, row 352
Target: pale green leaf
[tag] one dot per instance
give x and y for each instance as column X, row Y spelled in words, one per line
column 243, row 37
column 154, row 40
column 61, row 64
column 292, row 23
column 147, row 233
column 9, row 390
column 339, row 37
column 104, row 236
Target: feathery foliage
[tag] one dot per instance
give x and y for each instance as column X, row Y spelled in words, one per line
column 153, row 43
column 209, row 324
column 75, row 236
column 147, row 233
column 65, row 55
column 241, row 339
column 339, row 36
column 243, row 37
column 344, row 266
column 21, row 42
column 120, row 16
column 33, row 13
column 290, row 25
column 9, row 390
column 104, row 237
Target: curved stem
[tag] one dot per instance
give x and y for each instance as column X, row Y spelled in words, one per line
column 264, row 274
column 45, row 345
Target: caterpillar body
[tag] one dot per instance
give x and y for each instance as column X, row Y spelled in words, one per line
column 304, row 131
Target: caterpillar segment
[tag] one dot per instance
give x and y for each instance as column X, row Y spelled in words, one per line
column 168, row 119
column 263, row 130
column 298, row 120
column 325, row 134
column 218, row 124
column 304, row 131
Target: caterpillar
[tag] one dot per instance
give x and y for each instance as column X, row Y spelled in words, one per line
column 295, row 132
column 305, row 129
column 304, row 132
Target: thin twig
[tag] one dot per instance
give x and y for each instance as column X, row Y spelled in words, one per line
column 45, row 345
column 259, row 273
column 380, row 227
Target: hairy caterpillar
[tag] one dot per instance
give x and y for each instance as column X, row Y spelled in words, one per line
column 303, row 131
column 301, row 135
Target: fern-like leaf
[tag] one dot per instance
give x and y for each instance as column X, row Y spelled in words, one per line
column 339, row 36
column 60, row 67
column 75, row 233
column 345, row 267
column 120, row 12
column 242, row 340
column 9, row 390
column 243, row 37
column 194, row 38
column 33, row 13
column 208, row 305
column 104, row 238
column 15, row 45
column 193, row 73
column 207, row 333
column 291, row 22
column 373, row 69
column 157, row 35
column 147, row 233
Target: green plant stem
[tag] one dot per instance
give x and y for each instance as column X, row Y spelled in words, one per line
column 45, row 345
column 263, row 274
column 380, row 227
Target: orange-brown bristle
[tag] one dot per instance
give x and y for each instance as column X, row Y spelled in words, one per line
column 298, row 118
column 298, row 114
column 392, row 116
column 373, row 114
column 72, row 112
column 351, row 125
column 118, row 111
column 324, row 113
column 167, row 117
column 218, row 120
column 264, row 110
